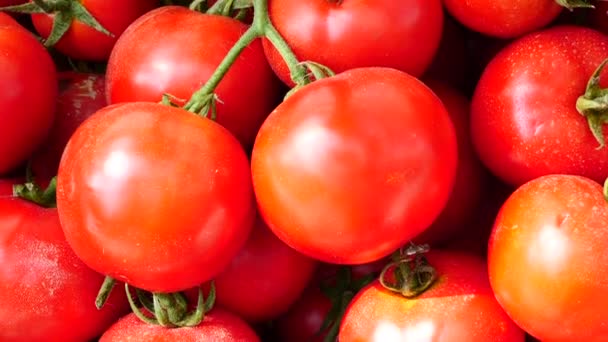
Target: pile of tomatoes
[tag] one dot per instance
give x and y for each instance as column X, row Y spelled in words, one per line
column 311, row 170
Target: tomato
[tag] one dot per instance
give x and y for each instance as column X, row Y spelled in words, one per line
column 304, row 319
column 599, row 16
column 84, row 42
column 144, row 66
column 349, row 168
column 546, row 260
column 264, row 279
column 28, row 88
column 6, row 186
column 155, row 196
column 467, row 192
column 7, row 19
column 518, row 132
column 80, row 96
column 217, row 326
column 459, row 306
column 350, row 34
column 46, row 292
column 504, row 18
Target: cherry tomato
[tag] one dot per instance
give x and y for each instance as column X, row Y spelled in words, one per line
column 80, row 95
column 349, row 34
column 84, row 42
column 546, row 258
column 504, row 18
column 264, row 279
column 467, row 192
column 459, row 306
column 46, row 292
column 348, row 169
column 217, row 326
column 155, row 196
column 28, row 88
column 303, row 321
column 524, row 120
column 144, row 66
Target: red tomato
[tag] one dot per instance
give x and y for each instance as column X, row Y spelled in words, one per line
column 218, row 326
column 599, row 16
column 155, row 196
column 6, row 18
column 80, row 95
column 304, row 319
column 46, row 292
column 460, row 306
column 349, row 168
column 28, row 88
column 546, row 258
column 144, row 66
column 519, row 133
column 274, row 273
column 504, row 18
column 4, row 3
column 6, row 186
column 464, row 200
column 350, row 34
column 84, row 42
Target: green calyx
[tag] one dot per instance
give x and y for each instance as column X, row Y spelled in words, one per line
column 410, row 273
column 169, row 310
column 593, row 105
column 31, row 191
column 572, row 4
column 64, row 13
column 340, row 289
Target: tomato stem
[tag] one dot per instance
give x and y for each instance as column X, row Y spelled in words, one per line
column 572, row 4
column 411, row 272
column 30, row 191
column 593, row 105
column 104, row 292
column 261, row 27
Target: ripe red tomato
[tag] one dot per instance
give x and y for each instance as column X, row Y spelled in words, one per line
column 467, row 192
column 28, row 88
column 6, row 186
column 524, row 120
column 7, row 18
column 351, row 34
column 46, row 292
column 504, row 18
column 264, row 279
column 546, row 258
column 304, row 319
column 155, row 196
column 349, row 168
column 144, row 66
column 84, row 42
column 218, row 326
column 80, row 95
column 459, row 306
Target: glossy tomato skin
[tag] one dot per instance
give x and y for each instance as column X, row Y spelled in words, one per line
column 27, row 110
column 351, row 34
column 460, row 306
column 80, row 95
column 504, row 18
column 155, row 196
column 546, row 258
column 347, row 170
column 144, row 66
column 218, row 326
column 46, row 292
column 467, row 192
column 83, row 42
column 264, row 279
column 518, row 132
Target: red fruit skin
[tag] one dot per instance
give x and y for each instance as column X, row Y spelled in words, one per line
column 83, row 42
column 80, row 95
column 218, row 326
column 304, row 319
column 46, row 292
column 459, row 306
column 265, row 278
column 599, row 16
column 471, row 176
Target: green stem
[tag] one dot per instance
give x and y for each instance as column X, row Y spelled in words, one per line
column 104, row 292
column 261, row 27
